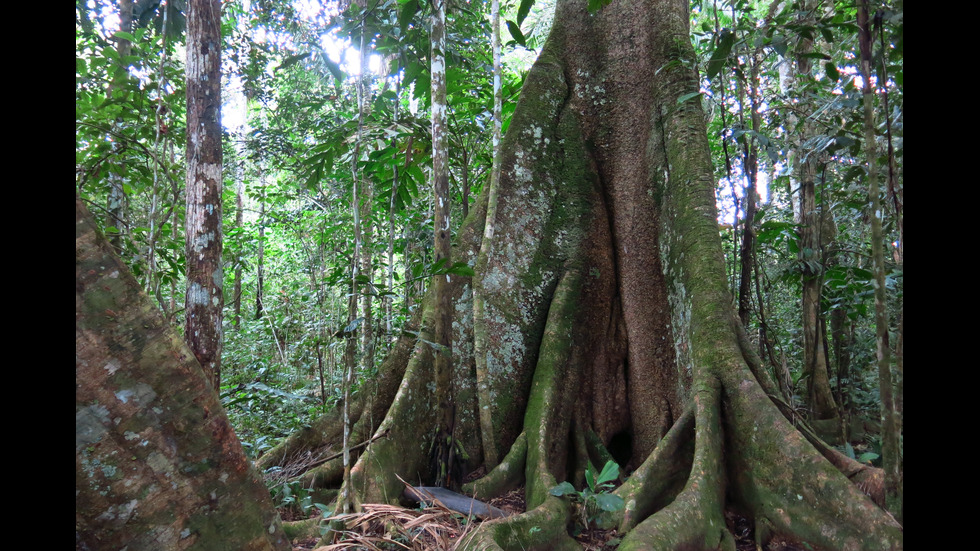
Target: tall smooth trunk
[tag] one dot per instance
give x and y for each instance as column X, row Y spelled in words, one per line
column 890, row 450
column 441, row 248
column 205, row 299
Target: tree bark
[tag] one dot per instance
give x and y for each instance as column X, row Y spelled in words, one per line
column 239, row 222
column 491, row 453
column 260, row 254
column 205, row 276
column 365, row 203
column 890, row 450
column 116, row 206
column 815, row 233
column 157, row 465
column 442, row 326
column 607, row 321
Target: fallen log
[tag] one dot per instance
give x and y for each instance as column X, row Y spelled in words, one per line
column 434, row 495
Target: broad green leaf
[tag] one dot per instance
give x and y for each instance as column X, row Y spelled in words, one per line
column 686, row 97
column 720, row 56
column 407, row 13
column 609, row 502
column 780, row 46
column 832, row 72
column 827, row 33
column 334, row 69
column 868, row 457
column 353, row 325
column 293, row 60
column 596, row 5
column 515, row 31
column 461, row 269
column 562, row 489
column 610, row 472
column 523, row 10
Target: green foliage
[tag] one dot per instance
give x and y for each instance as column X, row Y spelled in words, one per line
column 294, row 161
column 595, row 497
column 798, row 69
column 293, row 496
column 596, row 5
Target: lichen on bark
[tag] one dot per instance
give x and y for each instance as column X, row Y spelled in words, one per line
column 157, row 464
column 606, row 323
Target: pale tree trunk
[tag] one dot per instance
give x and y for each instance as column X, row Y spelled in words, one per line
column 204, row 300
column 117, row 197
column 491, row 454
column 890, row 450
column 347, row 498
column 366, row 204
column 157, row 464
column 390, row 297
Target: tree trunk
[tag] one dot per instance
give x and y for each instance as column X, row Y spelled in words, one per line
column 442, row 327
column 815, row 233
column 260, row 254
column 365, row 203
column 890, row 450
column 204, row 300
column 607, row 324
column 236, row 296
column 491, row 454
column 157, row 465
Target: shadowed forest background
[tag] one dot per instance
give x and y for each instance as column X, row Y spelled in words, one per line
column 376, row 290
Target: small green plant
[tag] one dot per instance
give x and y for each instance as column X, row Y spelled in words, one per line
column 595, row 497
column 292, row 495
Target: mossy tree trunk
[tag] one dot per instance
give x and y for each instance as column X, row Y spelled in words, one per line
column 157, row 464
column 605, row 324
column 890, row 429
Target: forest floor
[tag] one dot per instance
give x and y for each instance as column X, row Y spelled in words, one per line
column 383, row 527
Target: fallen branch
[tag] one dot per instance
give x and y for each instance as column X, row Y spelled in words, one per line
column 323, row 460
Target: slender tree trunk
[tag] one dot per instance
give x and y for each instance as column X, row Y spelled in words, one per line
column 842, row 337
column 890, row 449
column 346, row 502
column 163, row 149
column 751, row 171
column 442, row 335
column 366, row 204
column 491, row 453
column 239, row 221
column 390, row 297
column 260, row 255
column 464, row 186
column 347, row 498
column 117, row 196
column 205, row 299
column 813, row 238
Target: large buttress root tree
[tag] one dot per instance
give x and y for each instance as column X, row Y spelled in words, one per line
column 605, row 325
column 157, row 464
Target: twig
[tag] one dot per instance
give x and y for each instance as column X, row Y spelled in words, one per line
column 352, row 448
